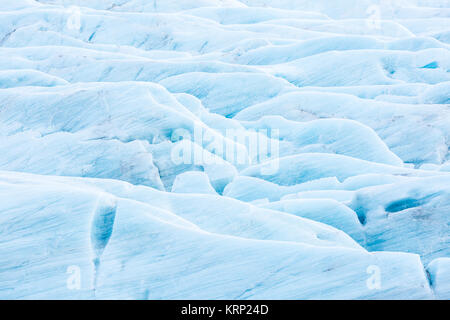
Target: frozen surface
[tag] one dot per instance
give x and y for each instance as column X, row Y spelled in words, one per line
column 438, row 272
column 224, row 149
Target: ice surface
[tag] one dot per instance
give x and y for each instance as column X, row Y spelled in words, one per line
column 224, row 149
column 115, row 237
column 192, row 182
column 416, row 209
column 438, row 273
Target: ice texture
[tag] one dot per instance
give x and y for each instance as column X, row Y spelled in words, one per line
column 224, row 149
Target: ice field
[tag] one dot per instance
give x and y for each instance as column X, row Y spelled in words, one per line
column 224, row 149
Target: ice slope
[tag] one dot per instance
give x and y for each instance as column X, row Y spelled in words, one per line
column 415, row 209
column 116, row 237
column 328, row 211
column 63, row 153
column 192, row 182
column 438, row 273
column 395, row 214
column 417, row 133
column 224, row 149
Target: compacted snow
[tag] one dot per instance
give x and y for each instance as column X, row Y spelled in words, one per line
column 224, row 149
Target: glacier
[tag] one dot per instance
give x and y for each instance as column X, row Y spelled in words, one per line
column 224, row 149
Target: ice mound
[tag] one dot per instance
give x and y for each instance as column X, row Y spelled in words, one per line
column 438, row 273
column 114, row 237
column 192, row 182
column 236, row 149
